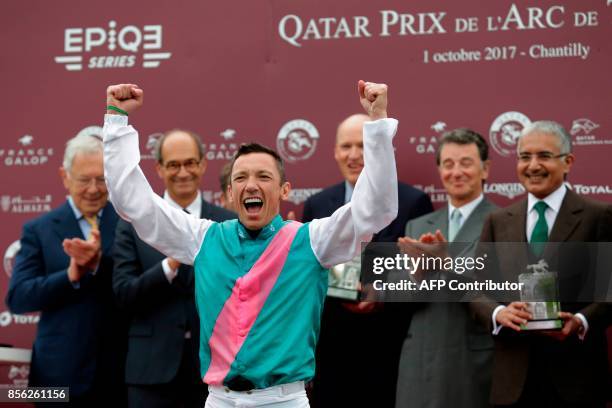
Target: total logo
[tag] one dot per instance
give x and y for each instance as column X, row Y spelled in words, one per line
column 114, row 47
column 25, row 153
column 591, row 189
column 297, row 140
column 7, row 318
column 20, row 205
column 505, row 132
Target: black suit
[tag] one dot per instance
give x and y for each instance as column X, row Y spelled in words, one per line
column 162, row 365
column 357, row 354
column 80, row 341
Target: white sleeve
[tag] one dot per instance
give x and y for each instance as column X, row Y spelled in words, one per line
column 337, row 239
column 169, row 230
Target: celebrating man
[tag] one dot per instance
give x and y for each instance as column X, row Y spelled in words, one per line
column 260, row 281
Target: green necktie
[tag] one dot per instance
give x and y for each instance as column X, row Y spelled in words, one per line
column 539, row 235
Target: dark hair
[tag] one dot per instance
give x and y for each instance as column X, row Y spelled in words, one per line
column 464, row 136
column 225, row 177
column 248, row 148
column 160, row 142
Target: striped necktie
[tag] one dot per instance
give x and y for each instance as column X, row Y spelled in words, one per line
column 93, row 223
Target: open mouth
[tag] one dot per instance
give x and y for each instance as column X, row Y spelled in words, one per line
column 252, row 204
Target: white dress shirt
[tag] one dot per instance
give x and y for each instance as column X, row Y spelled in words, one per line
column 194, row 208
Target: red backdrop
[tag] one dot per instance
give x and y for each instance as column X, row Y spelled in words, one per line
column 284, row 73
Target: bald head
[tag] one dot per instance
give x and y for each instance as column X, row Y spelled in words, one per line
column 349, row 147
column 353, row 123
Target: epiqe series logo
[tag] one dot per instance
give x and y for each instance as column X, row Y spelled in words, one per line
column 505, row 132
column 297, row 140
column 113, row 46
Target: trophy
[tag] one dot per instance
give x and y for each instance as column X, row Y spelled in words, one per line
column 539, row 290
column 344, row 279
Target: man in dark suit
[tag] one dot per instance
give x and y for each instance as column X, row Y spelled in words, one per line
column 447, row 356
column 548, row 369
column 351, row 370
column 80, row 342
column 162, row 367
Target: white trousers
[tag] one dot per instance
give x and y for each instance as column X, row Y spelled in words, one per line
column 290, row 395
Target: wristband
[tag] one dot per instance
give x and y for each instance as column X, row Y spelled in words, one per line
column 116, row 109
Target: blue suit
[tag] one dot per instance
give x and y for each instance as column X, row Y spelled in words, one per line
column 80, row 340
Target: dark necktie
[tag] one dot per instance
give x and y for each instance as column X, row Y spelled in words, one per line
column 539, row 235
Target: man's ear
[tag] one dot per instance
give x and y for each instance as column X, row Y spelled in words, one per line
column 569, row 161
column 229, row 193
column 158, row 169
column 64, row 176
column 285, row 190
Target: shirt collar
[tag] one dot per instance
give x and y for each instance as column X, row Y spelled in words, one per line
column 553, row 200
column 348, row 191
column 266, row 232
column 194, row 208
column 466, row 209
column 77, row 213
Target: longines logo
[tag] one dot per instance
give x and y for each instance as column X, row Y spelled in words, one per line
column 18, row 205
column 506, row 130
column 297, row 140
column 113, row 47
column 25, row 153
column 508, row 190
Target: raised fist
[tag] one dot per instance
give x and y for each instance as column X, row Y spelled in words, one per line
column 373, row 98
column 127, row 97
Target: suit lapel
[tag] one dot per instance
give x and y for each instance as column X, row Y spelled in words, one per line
column 438, row 220
column 65, row 223
column 516, row 223
column 205, row 210
column 568, row 218
column 472, row 227
column 337, row 198
column 108, row 223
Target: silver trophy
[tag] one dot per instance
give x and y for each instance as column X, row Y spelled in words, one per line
column 344, row 279
column 539, row 290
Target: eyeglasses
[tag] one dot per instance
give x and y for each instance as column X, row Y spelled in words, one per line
column 175, row 167
column 541, row 157
column 85, row 182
